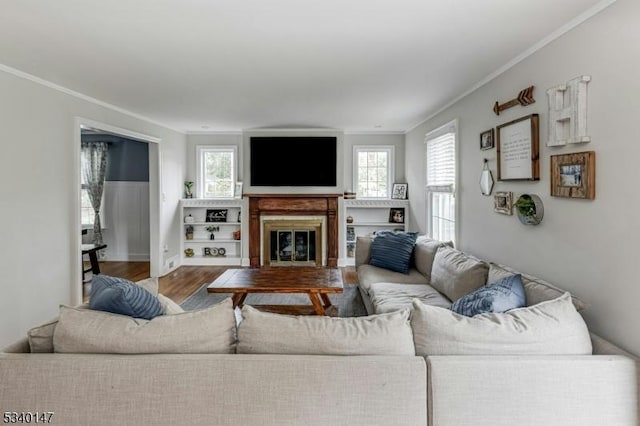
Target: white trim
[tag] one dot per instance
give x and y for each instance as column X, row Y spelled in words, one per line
column 54, row 86
column 451, row 126
column 592, row 11
column 214, row 132
column 301, row 130
column 199, row 178
column 391, row 173
column 155, row 195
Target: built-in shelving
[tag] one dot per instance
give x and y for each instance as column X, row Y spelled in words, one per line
column 366, row 217
column 193, row 216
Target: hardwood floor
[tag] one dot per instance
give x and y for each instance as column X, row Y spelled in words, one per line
column 182, row 282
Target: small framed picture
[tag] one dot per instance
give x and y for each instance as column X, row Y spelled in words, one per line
column 503, row 202
column 237, row 191
column 396, row 215
column 399, row 191
column 574, row 175
column 487, row 139
column 216, row 215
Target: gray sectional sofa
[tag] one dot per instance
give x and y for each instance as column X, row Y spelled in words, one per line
column 389, row 368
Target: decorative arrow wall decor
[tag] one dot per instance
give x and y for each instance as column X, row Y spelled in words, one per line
column 525, row 97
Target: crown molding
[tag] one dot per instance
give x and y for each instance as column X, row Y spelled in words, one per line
column 592, row 11
column 67, row 91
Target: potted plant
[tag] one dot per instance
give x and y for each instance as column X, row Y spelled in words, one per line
column 188, row 185
column 529, row 208
column 211, row 229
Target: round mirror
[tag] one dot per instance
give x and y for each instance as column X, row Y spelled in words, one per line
column 486, row 179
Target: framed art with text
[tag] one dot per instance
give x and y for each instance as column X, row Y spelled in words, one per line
column 518, row 149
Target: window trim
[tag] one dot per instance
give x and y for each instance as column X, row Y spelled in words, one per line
column 450, row 127
column 390, row 149
column 200, row 150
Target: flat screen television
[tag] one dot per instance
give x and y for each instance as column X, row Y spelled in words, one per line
column 293, row 161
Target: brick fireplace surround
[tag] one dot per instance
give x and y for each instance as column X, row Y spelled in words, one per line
column 293, row 205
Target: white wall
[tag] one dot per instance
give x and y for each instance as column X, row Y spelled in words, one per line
column 37, row 184
column 587, row 247
column 126, row 221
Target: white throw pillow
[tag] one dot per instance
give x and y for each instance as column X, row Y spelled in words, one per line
column 552, row 327
column 211, row 330
column 456, row 274
column 268, row 333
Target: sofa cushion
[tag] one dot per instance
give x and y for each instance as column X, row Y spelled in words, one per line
column 424, row 254
column 211, row 330
column 501, row 296
column 456, row 273
column 169, row 307
column 536, row 290
column 369, row 274
column 121, row 296
column 392, row 250
column 391, row 297
column 552, row 327
column 268, row 333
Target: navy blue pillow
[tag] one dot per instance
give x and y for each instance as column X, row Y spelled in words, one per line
column 506, row 294
column 124, row 297
column 393, row 250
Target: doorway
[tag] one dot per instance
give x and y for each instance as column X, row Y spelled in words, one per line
column 140, row 143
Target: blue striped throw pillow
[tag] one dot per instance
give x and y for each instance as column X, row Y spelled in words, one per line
column 393, row 250
column 501, row 296
column 120, row 296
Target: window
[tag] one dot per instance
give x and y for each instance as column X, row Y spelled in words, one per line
column 441, row 182
column 216, row 171
column 373, row 170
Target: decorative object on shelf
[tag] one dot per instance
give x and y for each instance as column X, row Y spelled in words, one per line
column 568, row 112
column 518, row 149
column 211, row 229
column 188, row 232
column 348, row 195
column 188, row 252
column 351, row 250
column 396, row 215
column 188, row 186
column 525, row 97
column 214, row 251
column 487, row 140
column 237, row 191
column 399, row 191
column 574, row 175
column 216, row 215
column 486, row 179
column 239, row 216
column 503, row 202
column 349, row 219
column 189, row 219
column 351, row 233
column 236, row 235
column 529, row 209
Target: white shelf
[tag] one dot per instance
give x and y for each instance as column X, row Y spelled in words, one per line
column 378, row 224
column 197, row 208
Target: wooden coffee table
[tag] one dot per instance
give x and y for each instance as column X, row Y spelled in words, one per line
column 316, row 282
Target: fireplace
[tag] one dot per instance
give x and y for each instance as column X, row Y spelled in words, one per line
column 293, row 240
column 311, row 217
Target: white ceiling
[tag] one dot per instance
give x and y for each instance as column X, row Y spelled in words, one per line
column 356, row 65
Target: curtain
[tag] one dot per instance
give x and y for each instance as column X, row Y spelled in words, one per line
column 94, row 168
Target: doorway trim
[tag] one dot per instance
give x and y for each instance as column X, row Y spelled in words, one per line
column 155, row 191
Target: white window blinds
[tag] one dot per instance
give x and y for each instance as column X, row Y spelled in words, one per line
column 441, row 163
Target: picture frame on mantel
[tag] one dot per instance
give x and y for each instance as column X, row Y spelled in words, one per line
column 518, row 149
